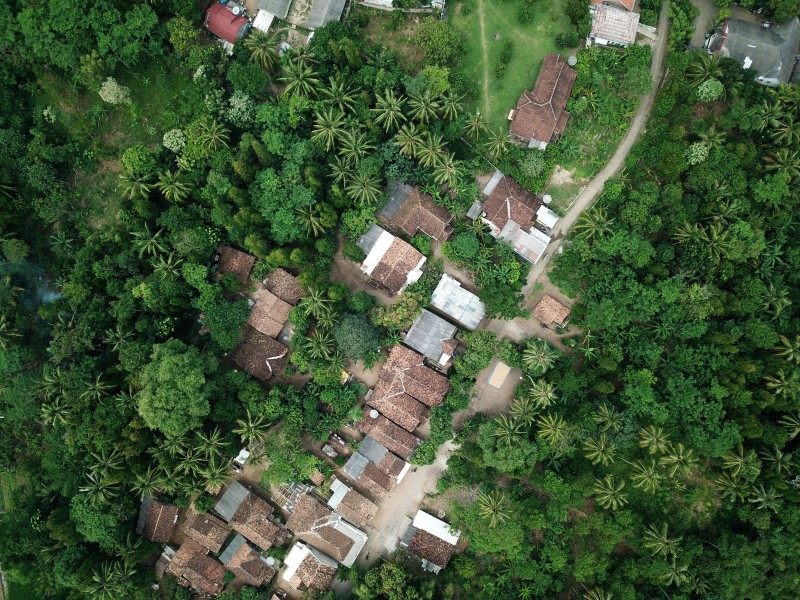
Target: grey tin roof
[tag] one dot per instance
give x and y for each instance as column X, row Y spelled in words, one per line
column 454, row 301
column 397, row 193
column 324, row 11
column 232, row 548
column 367, row 241
column 279, row 8
column 146, row 502
column 355, row 465
column 231, row 500
column 372, row 449
column 427, row 334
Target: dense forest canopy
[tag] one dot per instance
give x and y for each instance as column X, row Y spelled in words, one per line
column 656, row 457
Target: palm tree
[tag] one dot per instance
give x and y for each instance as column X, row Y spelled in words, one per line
column 646, row 477
column 788, row 349
column 508, row 431
column 690, row 234
column 679, row 460
column 712, row 137
column 654, row 439
column 310, row 217
column 475, row 125
column 659, row 543
column 167, row 268
column 553, row 429
column 315, row 302
column 408, row 140
column 55, row 413
column 341, row 170
column 135, row 187
column 210, row 444
column 300, row 79
column 60, row 242
column 738, row 460
column 146, row 242
column 608, row 492
column 328, row 127
column 100, row 489
column 95, row 389
column 703, row 67
column 430, row 150
column 263, row 49
column 607, row 417
column 781, row 384
column 340, row 94
column 538, row 356
column 792, row 425
column 214, row 135
column 497, row 144
column 446, row 172
column 676, row 574
column 364, row 189
column 597, row 594
column 784, row 160
column 593, row 223
column 780, row 462
column 7, row 333
column 765, row 498
column 424, row 108
column 355, row 146
column 326, row 319
column 303, row 55
column 108, row 582
column 215, row 474
column 147, row 483
column 389, row 110
column 787, row 132
column 542, row 393
column 493, row 507
column 105, row 462
column 731, row 487
column 320, row 345
column 599, row 450
column 524, row 411
column 768, row 114
column 252, row 429
column 174, row 186
column 451, row 106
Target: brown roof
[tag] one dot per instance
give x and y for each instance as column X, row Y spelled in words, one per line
column 403, row 375
column 541, row 113
column 269, row 314
column 160, row 521
column 193, row 568
column 207, row 530
column 376, row 481
column 393, row 269
column 246, row 564
column 550, row 311
column 253, row 519
column 431, row 548
column 420, row 213
column 313, row 574
column 388, row 434
column 259, row 354
column 310, row 521
column 357, row 508
column 509, row 200
column 629, row 4
column 285, row 286
column 400, row 408
column 232, row 260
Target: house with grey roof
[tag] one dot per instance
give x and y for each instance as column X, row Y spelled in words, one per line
column 279, row 8
column 770, row 53
column 375, row 468
column 460, row 305
column 433, row 337
column 323, row 12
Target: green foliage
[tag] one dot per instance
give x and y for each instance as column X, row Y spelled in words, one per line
column 356, row 337
column 361, row 302
column 440, row 41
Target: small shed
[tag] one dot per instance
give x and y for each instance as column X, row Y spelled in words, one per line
column 227, row 22
column 551, row 313
column 546, row 217
column 613, row 26
column 498, row 376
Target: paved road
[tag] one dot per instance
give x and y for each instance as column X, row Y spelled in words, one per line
column 708, row 14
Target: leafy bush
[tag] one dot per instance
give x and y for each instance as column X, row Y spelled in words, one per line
column 465, row 246
column 441, row 42
column 356, row 337
column 351, row 251
column 361, row 302
column 648, row 17
column 507, row 53
column 499, row 70
column 526, row 14
column 139, row 162
column 567, row 40
column 422, row 243
column 175, row 140
column 696, row 153
column 710, row 90
column 248, row 78
column 204, row 502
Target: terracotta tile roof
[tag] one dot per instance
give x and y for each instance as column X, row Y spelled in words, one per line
column 392, row 271
column 232, row 260
column 629, row 4
column 420, row 213
column 207, row 530
column 193, row 568
column 614, row 25
column 259, row 354
column 377, row 482
column 431, row 548
column 541, row 113
column 253, row 519
column 310, row 522
column 355, row 507
column 404, row 372
column 285, row 286
column 246, row 564
column 160, row 521
column 510, row 201
column 387, row 433
column 400, row 408
column 550, row 311
column 269, row 314
column 311, row 573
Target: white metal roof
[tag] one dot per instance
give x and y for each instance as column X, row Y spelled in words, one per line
column 297, row 555
column 263, row 20
column 378, row 250
column 460, row 304
column 546, row 217
column 339, row 490
column 437, row 527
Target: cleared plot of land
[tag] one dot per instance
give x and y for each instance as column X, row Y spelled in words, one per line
column 488, row 25
column 7, row 486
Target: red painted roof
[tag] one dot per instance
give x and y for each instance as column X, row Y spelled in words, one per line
column 221, row 21
column 629, row 4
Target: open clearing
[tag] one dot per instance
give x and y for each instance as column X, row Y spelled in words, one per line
column 487, row 26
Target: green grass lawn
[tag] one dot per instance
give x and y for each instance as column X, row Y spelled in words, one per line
column 487, row 28
column 7, row 486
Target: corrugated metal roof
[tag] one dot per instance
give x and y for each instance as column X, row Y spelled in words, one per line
column 367, row 241
column 146, row 502
column 279, row 8
column 493, row 183
column 371, row 449
column 355, row 465
column 323, row 12
column 232, row 548
column 231, row 500
column 461, row 305
column 427, row 334
column 397, row 193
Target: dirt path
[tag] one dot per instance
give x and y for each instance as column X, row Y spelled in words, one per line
column 485, row 53
column 388, row 526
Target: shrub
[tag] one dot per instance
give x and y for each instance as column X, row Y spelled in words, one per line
column 139, row 162
column 507, row 53
column 204, row 502
column 567, row 40
column 696, row 153
column 464, row 247
column 114, row 93
column 240, row 110
column 526, row 14
column 499, row 70
column 351, row 251
column 533, row 164
column 361, row 302
column 441, row 42
column 422, row 243
column 648, row 17
column 710, row 90
column 175, row 140
column 356, row 337
column 248, row 78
